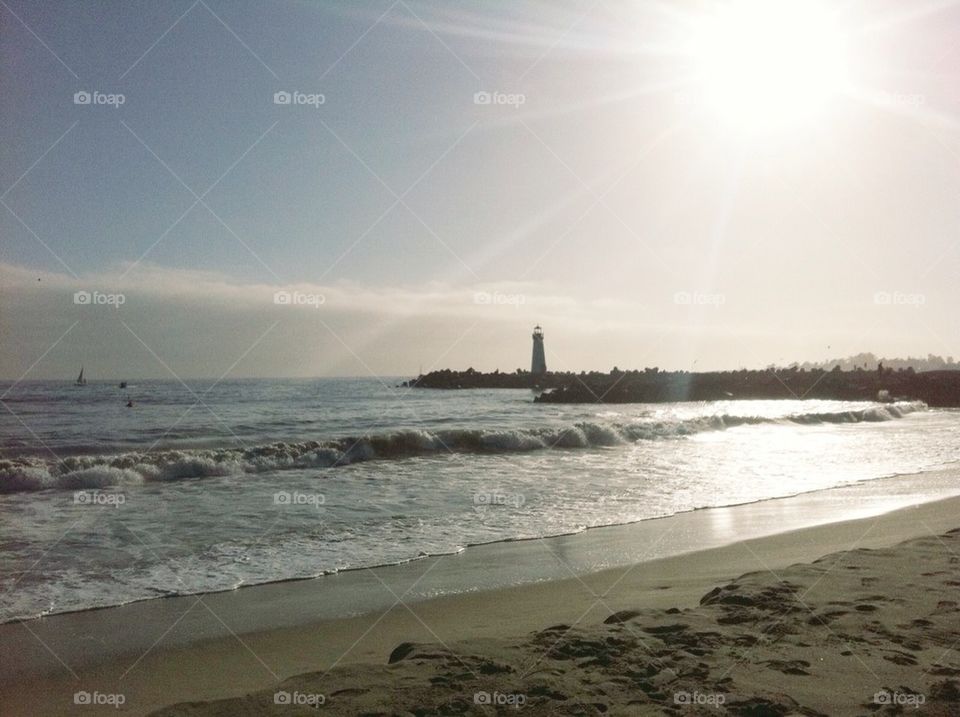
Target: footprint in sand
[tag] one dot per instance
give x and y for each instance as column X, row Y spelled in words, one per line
column 942, row 670
column 789, row 667
column 901, row 658
column 621, row 617
column 666, row 629
column 349, row 692
column 945, row 606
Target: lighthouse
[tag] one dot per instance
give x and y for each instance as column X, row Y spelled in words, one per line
column 538, row 365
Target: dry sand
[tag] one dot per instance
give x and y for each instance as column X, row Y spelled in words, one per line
column 855, row 632
column 785, row 638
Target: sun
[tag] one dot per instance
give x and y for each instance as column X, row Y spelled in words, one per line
column 766, row 65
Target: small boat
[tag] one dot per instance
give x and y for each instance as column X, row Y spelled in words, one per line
column 81, row 381
column 123, row 384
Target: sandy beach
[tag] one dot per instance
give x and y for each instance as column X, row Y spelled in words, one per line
column 816, row 622
column 424, row 358
column 860, row 631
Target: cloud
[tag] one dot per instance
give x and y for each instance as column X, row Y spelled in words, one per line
column 154, row 284
column 148, row 320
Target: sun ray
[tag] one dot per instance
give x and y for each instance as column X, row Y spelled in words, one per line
column 914, row 108
column 765, row 65
column 914, row 11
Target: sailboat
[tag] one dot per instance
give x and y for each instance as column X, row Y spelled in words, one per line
column 81, row 381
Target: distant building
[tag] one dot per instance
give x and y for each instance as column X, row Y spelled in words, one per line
column 538, row 366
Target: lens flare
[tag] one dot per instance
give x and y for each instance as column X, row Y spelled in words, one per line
column 769, row 64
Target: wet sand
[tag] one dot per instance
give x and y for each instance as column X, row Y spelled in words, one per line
column 209, row 647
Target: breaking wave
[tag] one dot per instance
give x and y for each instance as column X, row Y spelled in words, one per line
column 101, row 471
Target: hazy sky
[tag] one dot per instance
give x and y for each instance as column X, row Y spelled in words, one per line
column 598, row 189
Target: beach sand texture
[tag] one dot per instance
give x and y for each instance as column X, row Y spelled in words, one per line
column 797, row 633
column 866, row 631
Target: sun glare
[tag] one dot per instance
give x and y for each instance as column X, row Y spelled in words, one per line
column 769, row 64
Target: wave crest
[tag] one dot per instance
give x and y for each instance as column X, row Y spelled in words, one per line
column 100, row 471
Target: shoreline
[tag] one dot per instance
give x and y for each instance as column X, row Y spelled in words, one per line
column 854, row 632
column 487, row 544
column 268, row 632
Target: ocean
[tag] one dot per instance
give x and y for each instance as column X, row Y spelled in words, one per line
column 203, row 487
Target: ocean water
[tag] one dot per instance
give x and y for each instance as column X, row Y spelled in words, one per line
column 202, row 487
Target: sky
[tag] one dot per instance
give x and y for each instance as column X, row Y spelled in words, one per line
column 689, row 185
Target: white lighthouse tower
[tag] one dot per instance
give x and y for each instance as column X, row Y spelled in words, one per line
column 538, row 365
